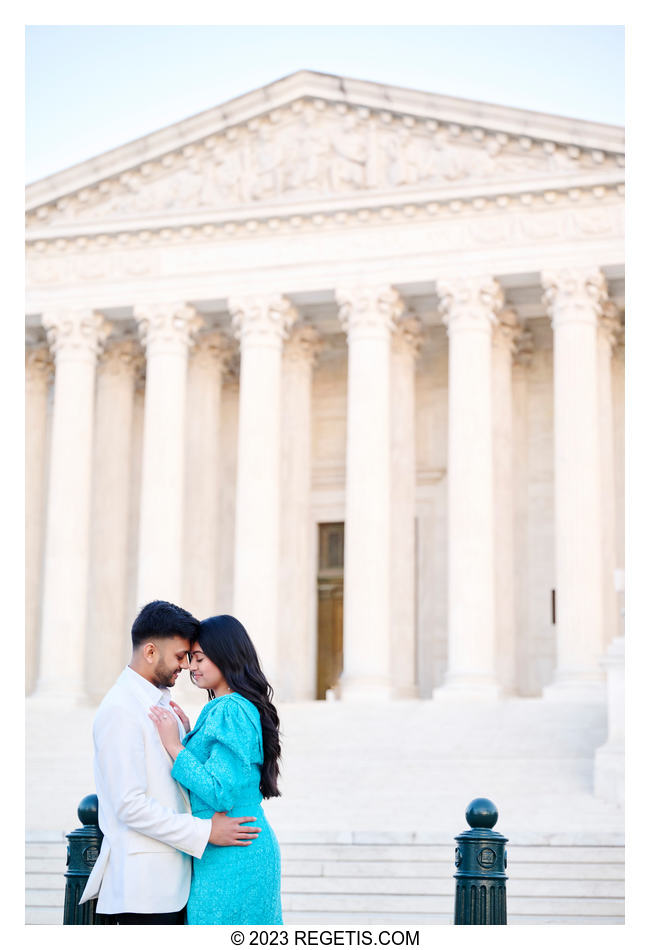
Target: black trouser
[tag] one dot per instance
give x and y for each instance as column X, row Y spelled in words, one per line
column 177, row 917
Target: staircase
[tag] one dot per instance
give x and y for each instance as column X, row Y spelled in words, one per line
column 372, row 797
column 394, row 879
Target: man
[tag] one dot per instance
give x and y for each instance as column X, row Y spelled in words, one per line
column 144, row 868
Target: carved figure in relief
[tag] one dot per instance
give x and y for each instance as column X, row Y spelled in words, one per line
column 453, row 163
column 409, row 159
column 314, row 153
column 309, row 167
column 561, row 160
column 225, row 174
column 189, row 184
column 268, row 160
column 348, row 167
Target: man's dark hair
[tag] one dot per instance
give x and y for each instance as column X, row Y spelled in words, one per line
column 160, row 619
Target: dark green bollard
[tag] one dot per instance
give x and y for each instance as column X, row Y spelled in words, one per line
column 481, row 862
column 83, row 851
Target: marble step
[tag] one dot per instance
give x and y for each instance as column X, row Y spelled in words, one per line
column 438, row 886
column 440, row 904
column 323, row 918
column 50, row 916
column 52, row 869
column 445, row 853
column 42, row 884
column 613, row 871
column 325, row 880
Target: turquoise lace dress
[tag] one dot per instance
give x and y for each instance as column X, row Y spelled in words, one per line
column 221, row 766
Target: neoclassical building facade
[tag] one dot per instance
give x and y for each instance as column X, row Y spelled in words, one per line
column 347, row 361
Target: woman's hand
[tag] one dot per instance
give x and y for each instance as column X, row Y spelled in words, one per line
column 181, row 715
column 165, row 723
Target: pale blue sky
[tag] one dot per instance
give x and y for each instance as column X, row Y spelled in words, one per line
column 92, row 88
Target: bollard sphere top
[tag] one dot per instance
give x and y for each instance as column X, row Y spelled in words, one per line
column 88, row 810
column 481, row 813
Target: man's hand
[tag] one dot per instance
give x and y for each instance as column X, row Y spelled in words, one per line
column 227, row 831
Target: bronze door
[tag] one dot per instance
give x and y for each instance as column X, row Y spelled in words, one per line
column 330, row 607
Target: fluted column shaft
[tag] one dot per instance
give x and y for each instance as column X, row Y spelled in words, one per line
column 504, row 340
column 206, row 366
column 618, row 394
column 107, row 617
column 260, row 323
column 574, row 299
column 522, row 359
column 469, row 308
column 166, row 332
column 38, row 373
column 608, row 328
column 297, row 640
column 75, row 338
column 368, row 315
column 406, row 343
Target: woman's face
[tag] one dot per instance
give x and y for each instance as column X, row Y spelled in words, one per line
column 204, row 672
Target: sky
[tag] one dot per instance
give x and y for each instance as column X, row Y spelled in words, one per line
column 93, row 88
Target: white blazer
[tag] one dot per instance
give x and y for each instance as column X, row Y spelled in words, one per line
column 149, row 832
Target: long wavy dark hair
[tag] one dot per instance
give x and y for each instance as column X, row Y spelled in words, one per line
column 225, row 642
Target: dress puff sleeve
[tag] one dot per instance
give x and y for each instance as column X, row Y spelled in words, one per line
column 230, row 740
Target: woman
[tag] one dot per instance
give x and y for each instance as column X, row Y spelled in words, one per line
column 229, row 762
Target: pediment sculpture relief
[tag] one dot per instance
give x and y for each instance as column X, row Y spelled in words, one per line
column 316, row 153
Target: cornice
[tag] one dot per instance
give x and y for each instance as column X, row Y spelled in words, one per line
column 332, row 215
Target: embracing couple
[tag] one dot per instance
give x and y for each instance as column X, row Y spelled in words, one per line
column 185, row 836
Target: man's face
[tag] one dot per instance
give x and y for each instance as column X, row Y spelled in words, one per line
column 171, row 659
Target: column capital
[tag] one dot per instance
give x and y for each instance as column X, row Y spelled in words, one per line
column 470, row 303
column 507, row 330
column 574, row 295
column 75, row 334
column 166, row 327
column 122, row 357
column 408, row 335
column 609, row 324
column 262, row 319
column 368, row 309
column 38, row 362
column 212, row 349
column 304, row 344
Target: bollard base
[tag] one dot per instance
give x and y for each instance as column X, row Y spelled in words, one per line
column 478, row 902
column 73, row 911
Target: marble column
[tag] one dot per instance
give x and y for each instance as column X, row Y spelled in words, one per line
column 75, row 337
column 137, row 433
column 261, row 324
column 618, row 393
column 297, row 638
column 107, row 651
column 609, row 326
column 574, row 299
column 469, row 307
column 406, row 343
column 368, row 314
column 504, row 341
column 206, row 366
column 522, row 359
column 166, row 331
column 38, row 375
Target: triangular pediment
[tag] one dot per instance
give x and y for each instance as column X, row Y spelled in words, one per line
column 344, row 146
